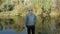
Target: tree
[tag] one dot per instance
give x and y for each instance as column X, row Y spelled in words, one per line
column 45, row 15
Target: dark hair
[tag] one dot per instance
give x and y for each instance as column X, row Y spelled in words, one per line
column 30, row 10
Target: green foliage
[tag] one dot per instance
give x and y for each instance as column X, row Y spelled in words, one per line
column 8, row 7
column 2, row 1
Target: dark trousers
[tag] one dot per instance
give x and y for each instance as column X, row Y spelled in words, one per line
column 31, row 29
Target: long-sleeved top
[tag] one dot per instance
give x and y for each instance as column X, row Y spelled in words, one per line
column 30, row 19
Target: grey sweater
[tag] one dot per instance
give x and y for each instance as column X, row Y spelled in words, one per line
column 30, row 19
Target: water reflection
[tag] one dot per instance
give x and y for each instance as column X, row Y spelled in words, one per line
column 9, row 21
column 15, row 23
column 1, row 26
